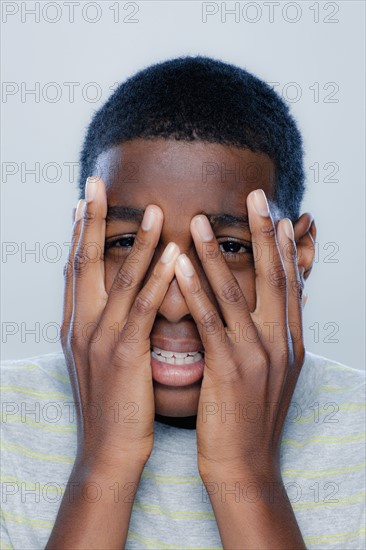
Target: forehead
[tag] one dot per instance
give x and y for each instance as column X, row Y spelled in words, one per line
column 179, row 176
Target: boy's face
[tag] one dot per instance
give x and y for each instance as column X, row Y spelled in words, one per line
column 184, row 179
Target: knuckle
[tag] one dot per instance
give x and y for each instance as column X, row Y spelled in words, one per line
column 210, row 251
column 67, row 271
column 195, row 288
column 230, row 291
column 80, row 261
column 144, row 304
column 140, row 244
column 276, row 277
column 124, row 280
column 290, row 252
column 210, row 322
column 297, row 288
column 89, row 216
column 267, row 230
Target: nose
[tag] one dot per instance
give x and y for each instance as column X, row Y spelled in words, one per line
column 174, row 307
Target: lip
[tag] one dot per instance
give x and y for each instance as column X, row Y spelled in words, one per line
column 177, row 375
column 181, row 345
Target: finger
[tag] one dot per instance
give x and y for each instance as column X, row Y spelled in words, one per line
column 285, row 235
column 225, row 286
column 144, row 309
column 68, row 271
column 127, row 282
column 287, row 246
column 270, row 281
column 89, row 288
column 66, row 329
column 205, row 315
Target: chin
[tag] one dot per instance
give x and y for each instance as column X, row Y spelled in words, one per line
column 176, row 401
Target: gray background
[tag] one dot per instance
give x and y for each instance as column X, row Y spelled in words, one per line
column 313, row 50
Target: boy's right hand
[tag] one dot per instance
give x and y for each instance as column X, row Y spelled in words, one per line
column 110, row 369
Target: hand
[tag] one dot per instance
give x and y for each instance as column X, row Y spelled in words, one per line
column 110, row 370
column 252, row 359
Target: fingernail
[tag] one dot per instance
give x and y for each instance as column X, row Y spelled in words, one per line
column 79, row 209
column 169, row 253
column 288, row 228
column 149, row 218
column 260, row 203
column 185, row 265
column 304, row 299
column 91, row 188
column 204, row 228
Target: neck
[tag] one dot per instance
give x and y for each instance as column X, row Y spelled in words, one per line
column 187, row 422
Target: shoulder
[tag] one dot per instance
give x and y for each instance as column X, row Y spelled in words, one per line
column 333, row 395
column 322, row 378
column 39, row 373
column 323, row 453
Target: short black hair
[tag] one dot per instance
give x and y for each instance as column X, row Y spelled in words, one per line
column 199, row 98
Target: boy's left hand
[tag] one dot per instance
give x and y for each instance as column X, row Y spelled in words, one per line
column 253, row 360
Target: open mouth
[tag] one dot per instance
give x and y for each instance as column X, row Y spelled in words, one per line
column 175, row 357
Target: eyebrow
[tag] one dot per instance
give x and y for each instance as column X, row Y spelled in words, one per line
column 126, row 213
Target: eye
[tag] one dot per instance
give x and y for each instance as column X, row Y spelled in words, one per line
column 121, row 242
column 232, row 246
column 228, row 246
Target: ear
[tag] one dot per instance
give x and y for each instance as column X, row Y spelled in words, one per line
column 305, row 236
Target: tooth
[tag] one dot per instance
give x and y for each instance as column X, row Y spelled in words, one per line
column 166, row 353
column 175, row 358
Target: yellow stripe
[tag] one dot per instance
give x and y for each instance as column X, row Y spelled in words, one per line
column 297, row 506
column 336, row 389
column 46, row 426
column 334, row 538
column 155, row 544
column 33, row 367
column 171, row 480
column 352, row 407
column 150, row 543
column 35, row 393
column 34, row 454
column 16, row 365
column 174, row 514
column 341, row 368
column 3, row 545
column 40, row 523
column 320, row 473
column 325, row 439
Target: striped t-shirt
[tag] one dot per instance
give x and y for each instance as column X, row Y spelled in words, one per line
column 322, row 462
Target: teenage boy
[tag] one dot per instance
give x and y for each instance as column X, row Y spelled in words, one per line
column 200, row 419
